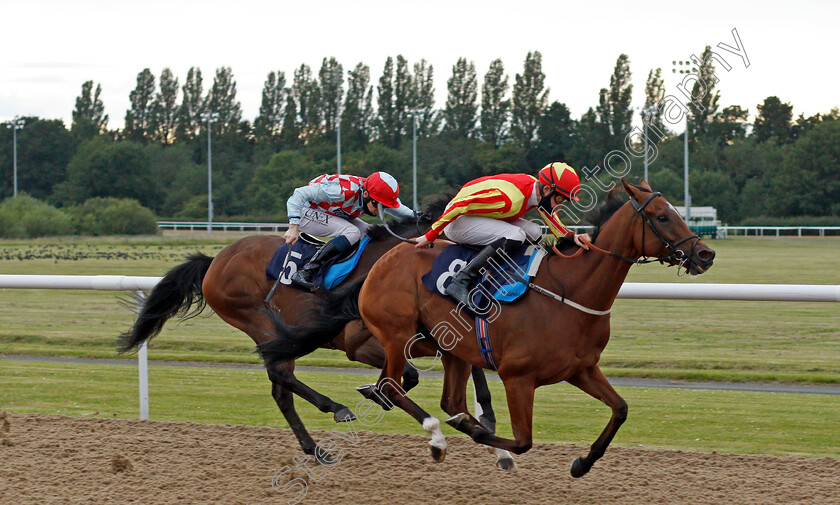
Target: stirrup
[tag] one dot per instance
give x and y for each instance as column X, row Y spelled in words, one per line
column 299, row 279
column 460, row 291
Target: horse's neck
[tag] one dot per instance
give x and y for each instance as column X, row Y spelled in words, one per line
column 593, row 279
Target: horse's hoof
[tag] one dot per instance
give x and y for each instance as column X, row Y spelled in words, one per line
column 578, row 469
column 321, row 457
column 324, row 458
column 344, row 415
column 506, row 465
column 457, row 420
column 438, row 454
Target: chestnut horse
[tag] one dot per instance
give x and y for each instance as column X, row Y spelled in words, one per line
column 555, row 332
column 235, row 286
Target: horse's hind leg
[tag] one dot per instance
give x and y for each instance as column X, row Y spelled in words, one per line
column 453, row 400
column 520, row 397
column 389, row 392
column 593, row 382
column 253, row 322
column 362, row 347
column 285, row 401
column 410, row 377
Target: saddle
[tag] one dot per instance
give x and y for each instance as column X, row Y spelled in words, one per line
column 286, row 261
column 506, row 284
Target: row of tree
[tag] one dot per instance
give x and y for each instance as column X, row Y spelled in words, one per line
column 159, row 156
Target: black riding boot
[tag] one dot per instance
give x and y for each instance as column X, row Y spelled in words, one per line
column 304, row 277
column 459, row 288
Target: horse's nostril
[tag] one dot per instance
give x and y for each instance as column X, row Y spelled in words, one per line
column 706, row 255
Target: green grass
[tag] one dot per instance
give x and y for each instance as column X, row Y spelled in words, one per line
column 734, row 422
column 698, row 340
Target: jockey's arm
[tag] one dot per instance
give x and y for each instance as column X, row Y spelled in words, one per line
column 302, row 197
column 402, row 212
column 456, row 208
column 559, row 230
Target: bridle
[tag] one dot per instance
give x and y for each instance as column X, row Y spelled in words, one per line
column 676, row 256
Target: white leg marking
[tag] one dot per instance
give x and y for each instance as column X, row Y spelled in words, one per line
column 432, row 427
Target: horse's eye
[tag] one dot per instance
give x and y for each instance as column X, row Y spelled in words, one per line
column 663, row 218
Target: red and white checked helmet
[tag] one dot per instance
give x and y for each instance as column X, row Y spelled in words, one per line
column 383, row 188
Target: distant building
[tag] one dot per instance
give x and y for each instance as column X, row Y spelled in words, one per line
column 704, row 221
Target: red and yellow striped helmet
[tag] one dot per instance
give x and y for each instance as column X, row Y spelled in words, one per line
column 561, row 178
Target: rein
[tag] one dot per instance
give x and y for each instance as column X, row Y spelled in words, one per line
column 597, row 249
column 388, row 229
column 675, row 256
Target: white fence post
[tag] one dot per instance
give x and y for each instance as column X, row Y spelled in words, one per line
column 143, row 364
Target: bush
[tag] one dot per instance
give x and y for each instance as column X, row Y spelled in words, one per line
column 113, row 216
column 102, row 169
column 25, row 217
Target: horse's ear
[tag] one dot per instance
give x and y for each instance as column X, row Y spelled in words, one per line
column 644, row 184
column 629, row 188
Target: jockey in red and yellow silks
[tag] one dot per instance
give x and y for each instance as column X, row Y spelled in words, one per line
column 489, row 211
column 506, row 197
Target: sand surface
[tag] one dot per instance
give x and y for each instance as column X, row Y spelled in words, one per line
column 58, row 459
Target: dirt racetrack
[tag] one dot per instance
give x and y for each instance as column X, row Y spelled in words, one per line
column 67, row 460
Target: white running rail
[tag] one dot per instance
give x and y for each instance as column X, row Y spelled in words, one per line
column 632, row 290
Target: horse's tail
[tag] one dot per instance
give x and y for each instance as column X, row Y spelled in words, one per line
column 328, row 318
column 174, row 295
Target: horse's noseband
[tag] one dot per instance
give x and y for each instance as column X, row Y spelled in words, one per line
column 676, row 256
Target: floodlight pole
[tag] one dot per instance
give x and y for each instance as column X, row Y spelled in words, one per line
column 338, row 121
column 413, row 114
column 15, row 124
column 685, row 175
column 646, row 119
column 210, row 117
column 687, row 196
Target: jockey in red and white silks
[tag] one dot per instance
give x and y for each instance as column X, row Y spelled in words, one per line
column 330, row 206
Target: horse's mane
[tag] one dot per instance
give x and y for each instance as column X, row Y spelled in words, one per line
column 409, row 227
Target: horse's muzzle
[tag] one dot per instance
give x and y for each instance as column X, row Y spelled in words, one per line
column 701, row 260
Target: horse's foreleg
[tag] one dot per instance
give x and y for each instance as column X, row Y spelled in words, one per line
column 410, row 377
column 283, row 375
column 593, row 382
column 482, row 396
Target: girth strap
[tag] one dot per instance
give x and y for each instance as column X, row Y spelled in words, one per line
column 482, row 333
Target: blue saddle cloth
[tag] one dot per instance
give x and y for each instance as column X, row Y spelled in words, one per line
column 504, row 281
column 286, row 262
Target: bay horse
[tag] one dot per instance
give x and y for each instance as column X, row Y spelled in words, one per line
column 542, row 339
column 235, row 286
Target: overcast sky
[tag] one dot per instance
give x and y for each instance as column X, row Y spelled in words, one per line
column 51, row 47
